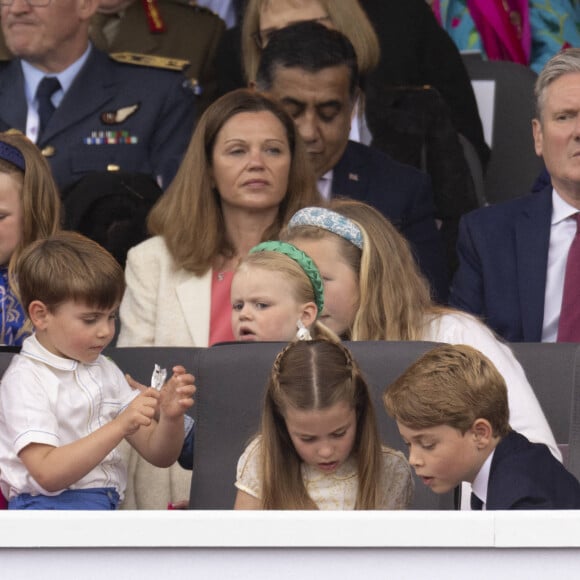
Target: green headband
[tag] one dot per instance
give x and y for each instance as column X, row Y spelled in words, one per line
column 303, row 260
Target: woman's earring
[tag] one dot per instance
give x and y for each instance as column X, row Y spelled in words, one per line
column 303, row 332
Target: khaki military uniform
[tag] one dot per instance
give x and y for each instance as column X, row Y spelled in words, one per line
column 191, row 34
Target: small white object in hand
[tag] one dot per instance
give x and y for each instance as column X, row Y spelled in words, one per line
column 158, row 377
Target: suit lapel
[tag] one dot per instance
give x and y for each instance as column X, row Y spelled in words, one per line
column 349, row 177
column 13, row 107
column 93, row 87
column 194, row 297
column 532, row 230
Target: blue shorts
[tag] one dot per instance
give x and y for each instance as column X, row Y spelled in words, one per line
column 96, row 498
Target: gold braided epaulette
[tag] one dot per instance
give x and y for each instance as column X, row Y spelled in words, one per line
column 151, row 60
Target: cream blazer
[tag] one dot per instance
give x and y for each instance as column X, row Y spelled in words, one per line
column 162, row 306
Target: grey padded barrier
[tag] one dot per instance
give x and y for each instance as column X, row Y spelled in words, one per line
column 231, row 380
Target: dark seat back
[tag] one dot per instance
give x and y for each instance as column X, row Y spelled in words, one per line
column 231, row 381
column 513, row 165
column 553, row 370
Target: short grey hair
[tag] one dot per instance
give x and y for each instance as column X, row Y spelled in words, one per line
column 565, row 62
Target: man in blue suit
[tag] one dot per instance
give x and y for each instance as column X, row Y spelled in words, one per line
column 102, row 115
column 512, row 256
column 313, row 72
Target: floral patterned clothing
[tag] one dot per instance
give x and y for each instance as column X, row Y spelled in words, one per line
column 527, row 32
column 12, row 332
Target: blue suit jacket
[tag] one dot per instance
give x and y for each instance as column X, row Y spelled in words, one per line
column 402, row 194
column 503, row 256
column 526, row 475
column 162, row 122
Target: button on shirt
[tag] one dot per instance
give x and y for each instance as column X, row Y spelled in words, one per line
column 32, row 78
column 63, row 401
column 562, row 232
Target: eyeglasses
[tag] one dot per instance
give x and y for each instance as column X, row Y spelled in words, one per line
column 33, row 3
column 262, row 37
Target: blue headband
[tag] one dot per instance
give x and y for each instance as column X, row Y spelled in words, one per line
column 303, row 260
column 12, row 155
column 329, row 220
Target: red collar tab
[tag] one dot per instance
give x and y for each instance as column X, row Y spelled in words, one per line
column 154, row 19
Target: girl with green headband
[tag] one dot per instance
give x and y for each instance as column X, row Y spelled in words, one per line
column 277, row 294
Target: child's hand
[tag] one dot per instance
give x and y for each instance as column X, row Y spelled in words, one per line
column 177, row 393
column 135, row 385
column 140, row 412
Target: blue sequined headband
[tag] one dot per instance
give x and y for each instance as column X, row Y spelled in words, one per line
column 303, row 260
column 329, row 220
column 12, row 155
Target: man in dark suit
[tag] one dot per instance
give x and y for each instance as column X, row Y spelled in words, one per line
column 101, row 115
column 313, row 72
column 513, row 256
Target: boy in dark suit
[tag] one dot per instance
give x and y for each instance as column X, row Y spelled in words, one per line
column 451, row 409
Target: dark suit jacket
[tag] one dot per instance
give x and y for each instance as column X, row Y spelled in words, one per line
column 191, row 33
column 503, row 257
column 526, row 475
column 402, row 194
column 162, row 122
column 415, row 50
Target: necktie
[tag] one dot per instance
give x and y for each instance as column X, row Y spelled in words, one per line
column 47, row 87
column 569, row 325
column 476, row 503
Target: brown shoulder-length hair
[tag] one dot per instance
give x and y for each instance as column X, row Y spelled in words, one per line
column 189, row 215
column 347, row 17
column 310, row 375
column 41, row 208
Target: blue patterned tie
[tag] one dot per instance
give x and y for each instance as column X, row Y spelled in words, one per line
column 47, row 87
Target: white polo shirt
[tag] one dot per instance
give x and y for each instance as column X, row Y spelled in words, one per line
column 54, row 401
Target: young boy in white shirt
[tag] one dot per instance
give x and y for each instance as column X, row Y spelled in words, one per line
column 64, row 407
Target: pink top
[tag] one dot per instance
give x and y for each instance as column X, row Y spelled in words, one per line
column 220, row 322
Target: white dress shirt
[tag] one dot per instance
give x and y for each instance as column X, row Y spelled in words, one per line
column 481, row 481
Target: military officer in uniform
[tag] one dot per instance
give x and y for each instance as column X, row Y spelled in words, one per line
column 185, row 33
column 102, row 115
column 188, row 34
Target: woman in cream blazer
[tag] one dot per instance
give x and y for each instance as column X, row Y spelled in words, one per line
column 245, row 173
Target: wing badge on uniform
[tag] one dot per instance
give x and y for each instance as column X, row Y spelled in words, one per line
column 120, row 115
